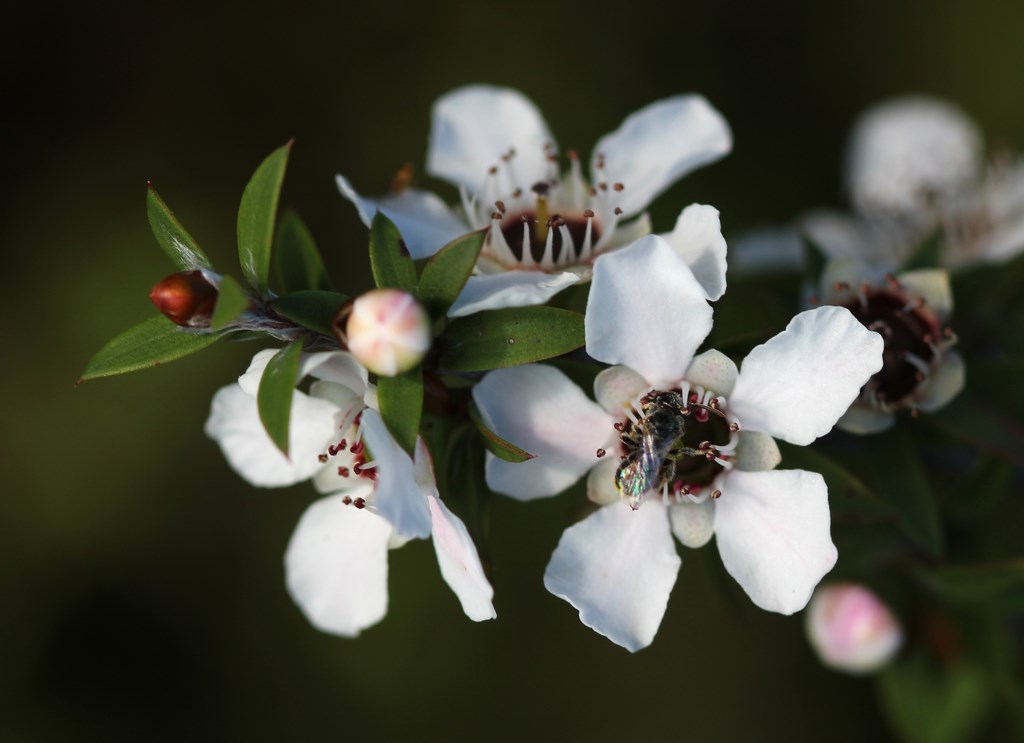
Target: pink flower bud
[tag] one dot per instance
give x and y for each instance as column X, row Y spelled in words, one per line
column 851, row 629
column 187, row 298
column 388, row 331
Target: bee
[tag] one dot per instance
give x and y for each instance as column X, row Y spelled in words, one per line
column 653, row 444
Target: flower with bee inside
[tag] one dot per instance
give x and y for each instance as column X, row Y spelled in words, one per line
column 679, row 444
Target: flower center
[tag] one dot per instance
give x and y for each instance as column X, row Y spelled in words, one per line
column 551, row 225
column 677, row 442
column 350, row 458
column 914, row 341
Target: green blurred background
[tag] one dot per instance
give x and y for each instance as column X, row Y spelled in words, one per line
column 143, row 580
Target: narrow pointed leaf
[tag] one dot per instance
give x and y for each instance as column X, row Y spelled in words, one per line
column 904, row 486
column 274, row 397
column 498, row 338
column 497, row 445
column 447, row 271
column 401, row 406
column 389, row 258
column 232, row 301
column 180, row 246
column 150, row 343
column 311, row 309
column 296, row 257
column 256, row 216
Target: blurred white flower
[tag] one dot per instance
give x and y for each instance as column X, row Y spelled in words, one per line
column 546, row 227
column 713, row 474
column 388, row 331
column 851, row 629
column 910, row 310
column 336, row 562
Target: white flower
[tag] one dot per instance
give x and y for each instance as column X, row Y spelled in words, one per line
column 915, row 166
column 336, row 562
column 647, row 313
column 910, row 310
column 546, row 227
column 851, row 629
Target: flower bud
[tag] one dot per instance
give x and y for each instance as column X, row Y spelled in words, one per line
column 851, row 629
column 187, row 298
column 388, row 331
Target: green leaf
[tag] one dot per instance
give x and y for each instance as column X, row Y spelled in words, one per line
column 988, row 585
column 256, row 218
column 447, row 271
column 232, row 301
column 150, row 343
column 298, row 262
column 277, row 388
column 904, row 486
column 389, row 259
column 926, row 702
column 928, row 253
column 311, row 309
column 180, row 246
column 497, row 445
column 401, row 406
column 498, row 338
column 982, row 423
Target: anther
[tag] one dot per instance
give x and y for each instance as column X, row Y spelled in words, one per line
column 618, row 426
column 540, row 188
column 517, row 193
column 359, row 503
column 500, row 205
column 347, row 500
column 601, row 453
column 618, row 186
column 496, row 216
column 343, row 471
column 493, row 170
column 618, row 211
column 734, row 427
column 716, row 494
column 588, row 213
column 322, row 458
column 592, row 191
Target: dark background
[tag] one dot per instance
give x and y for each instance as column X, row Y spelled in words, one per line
column 142, row 580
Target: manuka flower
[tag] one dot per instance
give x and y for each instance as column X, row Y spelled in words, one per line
column 914, row 168
column 920, row 371
column 546, row 227
column 686, row 441
column 378, row 497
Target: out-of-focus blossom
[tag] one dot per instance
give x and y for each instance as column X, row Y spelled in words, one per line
column 851, row 629
column 388, row 331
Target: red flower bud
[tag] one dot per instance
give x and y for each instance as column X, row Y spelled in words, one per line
column 187, row 298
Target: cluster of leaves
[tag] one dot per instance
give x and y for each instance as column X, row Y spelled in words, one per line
column 914, row 509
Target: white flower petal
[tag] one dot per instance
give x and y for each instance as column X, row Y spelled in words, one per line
column 795, row 386
column 336, row 566
column 863, row 420
column 460, row 563
column 474, row 126
column 347, row 401
column 848, row 236
column 932, row 285
column 601, row 482
column 399, row 498
column 234, row 423
column 850, row 271
column 539, row 409
column 697, row 239
column 658, row 145
column 646, row 310
column 617, row 567
column 510, row 289
column 250, row 380
column 693, row 523
column 945, row 383
column 617, row 387
column 772, row 530
column 424, row 220
column 1005, row 243
column 908, row 150
column 339, row 367
column 756, row 452
column 714, row 371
